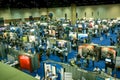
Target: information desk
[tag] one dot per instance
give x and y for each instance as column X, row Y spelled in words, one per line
column 10, row 73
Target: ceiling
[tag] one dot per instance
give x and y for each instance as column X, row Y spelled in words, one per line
column 51, row 3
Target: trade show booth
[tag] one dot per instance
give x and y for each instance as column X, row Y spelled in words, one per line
column 62, row 44
column 28, row 62
column 88, row 49
column 53, row 71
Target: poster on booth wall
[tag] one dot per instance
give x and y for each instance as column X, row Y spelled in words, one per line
column 47, row 67
column 117, row 62
column 83, row 49
column 62, row 72
column 31, row 38
column 106, row 50
column 24, row 38
column 54, row 70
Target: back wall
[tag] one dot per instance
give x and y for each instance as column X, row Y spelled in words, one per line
column 96, row 11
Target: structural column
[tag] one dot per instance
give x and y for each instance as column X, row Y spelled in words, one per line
column 73, row 13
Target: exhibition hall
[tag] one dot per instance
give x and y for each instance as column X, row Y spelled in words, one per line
column 60, row 40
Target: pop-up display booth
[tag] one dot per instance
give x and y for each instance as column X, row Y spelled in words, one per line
column 61, row 44
column 85, row 49
column 53, row 71
column 28, row 62
column 109, row 55
column 91, row 50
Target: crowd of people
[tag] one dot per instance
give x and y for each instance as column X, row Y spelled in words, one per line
column 17, row 36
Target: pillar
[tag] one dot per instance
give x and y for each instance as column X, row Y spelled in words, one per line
column 73, row 13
